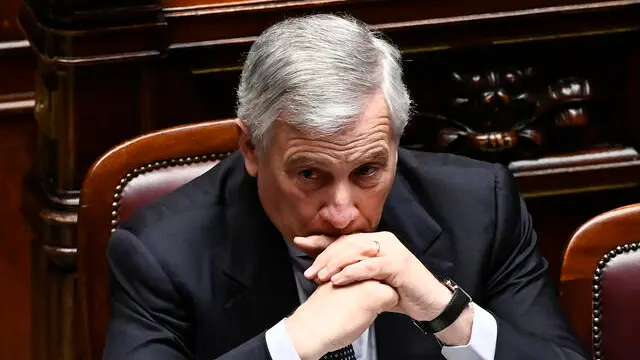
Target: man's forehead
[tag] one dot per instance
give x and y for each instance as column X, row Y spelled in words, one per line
column 365, row 143
column 358, row 128
column 379, row 154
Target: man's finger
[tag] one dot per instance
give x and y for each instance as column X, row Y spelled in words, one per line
column 312, row 245
column 315, row 243
column 334, row 266
column 368, row 269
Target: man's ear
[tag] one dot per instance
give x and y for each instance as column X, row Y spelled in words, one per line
column 248, row 149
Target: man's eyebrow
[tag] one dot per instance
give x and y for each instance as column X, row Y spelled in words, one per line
column 379, row 155
column 304, row 161
column 376, row 156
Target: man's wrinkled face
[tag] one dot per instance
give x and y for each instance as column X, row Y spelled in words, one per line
column 329, row 185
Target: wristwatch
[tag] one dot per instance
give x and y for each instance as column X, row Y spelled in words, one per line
column 455, row 307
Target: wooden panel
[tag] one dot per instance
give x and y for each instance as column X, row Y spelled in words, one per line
column 411, row 24
column 17, row 63
column 192, row 3
column 556, row 218
column 76, row 14
column 17, row 145
column 9, row 30
column 455, row 8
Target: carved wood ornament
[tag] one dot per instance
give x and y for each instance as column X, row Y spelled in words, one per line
column 504, row 115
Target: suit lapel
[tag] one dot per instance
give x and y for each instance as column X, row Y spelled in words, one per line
column 406, row 217
column 257, row 263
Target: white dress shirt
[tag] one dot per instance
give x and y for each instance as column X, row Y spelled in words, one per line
column 481, row 346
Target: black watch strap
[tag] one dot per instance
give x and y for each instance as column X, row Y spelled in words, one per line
column 456, row 306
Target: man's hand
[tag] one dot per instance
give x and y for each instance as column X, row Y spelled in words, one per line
column 333, row 317
column 381, row 256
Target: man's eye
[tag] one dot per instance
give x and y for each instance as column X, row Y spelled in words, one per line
column 367, row 170
column 308, row 174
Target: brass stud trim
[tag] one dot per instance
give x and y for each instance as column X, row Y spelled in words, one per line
column 160, row 164
column 596, row 333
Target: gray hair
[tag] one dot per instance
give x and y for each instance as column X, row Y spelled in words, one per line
column 317, row 73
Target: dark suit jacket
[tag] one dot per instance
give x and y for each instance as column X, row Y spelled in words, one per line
column 202, row 273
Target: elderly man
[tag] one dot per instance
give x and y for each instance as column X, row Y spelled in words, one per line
column 322, row 239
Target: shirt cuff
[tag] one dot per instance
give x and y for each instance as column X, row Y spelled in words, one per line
column 482, row 345
column 279, row 343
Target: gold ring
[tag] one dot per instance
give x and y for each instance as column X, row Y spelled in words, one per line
column 377, row 245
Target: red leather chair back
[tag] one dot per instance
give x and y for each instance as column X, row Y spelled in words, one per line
column 599, row 268
column 616, row 298
column 122, row 181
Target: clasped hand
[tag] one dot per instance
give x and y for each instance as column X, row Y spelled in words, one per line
column 377, row 256
column 359, row 277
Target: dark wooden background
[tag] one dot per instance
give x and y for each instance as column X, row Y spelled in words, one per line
column 17, row 147
column 97, row 72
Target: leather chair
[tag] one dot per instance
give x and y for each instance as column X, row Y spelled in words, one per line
column 119, row 183
column 600, row 283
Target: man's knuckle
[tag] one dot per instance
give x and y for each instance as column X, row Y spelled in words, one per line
column 322, row 258
column 348, row 274
column 333, row 264
column 370, row 266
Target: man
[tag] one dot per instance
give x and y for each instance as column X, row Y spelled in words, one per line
column 321, row 239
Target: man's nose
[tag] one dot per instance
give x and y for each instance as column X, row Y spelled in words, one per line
column 341, row 210
column 339, row 217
